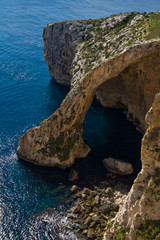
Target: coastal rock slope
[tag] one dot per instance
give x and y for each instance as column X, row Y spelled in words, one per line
column 116, row 58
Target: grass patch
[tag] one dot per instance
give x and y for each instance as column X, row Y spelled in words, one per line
column 153, row 26
column 121, row 234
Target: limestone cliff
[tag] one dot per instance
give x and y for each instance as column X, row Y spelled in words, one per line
column 114, row 58
column 118, row 60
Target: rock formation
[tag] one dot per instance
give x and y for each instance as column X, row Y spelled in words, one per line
column 118, row 60
column 128, row 76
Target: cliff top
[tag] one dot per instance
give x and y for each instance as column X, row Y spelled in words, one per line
column 107, row 38
column 98, row 40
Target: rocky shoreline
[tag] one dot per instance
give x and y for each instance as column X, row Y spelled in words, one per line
column 93, row 210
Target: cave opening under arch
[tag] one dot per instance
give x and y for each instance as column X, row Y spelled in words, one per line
column 114, row 125
column 109, row 134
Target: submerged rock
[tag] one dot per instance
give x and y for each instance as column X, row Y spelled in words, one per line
column 118, row 166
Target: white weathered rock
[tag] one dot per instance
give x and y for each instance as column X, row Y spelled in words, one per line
column 118, row 166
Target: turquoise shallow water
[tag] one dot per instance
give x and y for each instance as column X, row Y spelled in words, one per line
column 27, row 96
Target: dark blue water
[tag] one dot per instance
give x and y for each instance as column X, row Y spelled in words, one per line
column 27, row 96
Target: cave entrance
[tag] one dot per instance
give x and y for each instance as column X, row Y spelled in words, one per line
column 109, row 134
column 106, row 129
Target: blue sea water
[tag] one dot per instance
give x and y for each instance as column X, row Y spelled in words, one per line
column 28, row 95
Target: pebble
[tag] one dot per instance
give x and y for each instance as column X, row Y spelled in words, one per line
column 93, row 224
column 109, row 192
column 96, row 200
column 85, row 231
column 86, row 191
column 88, row 220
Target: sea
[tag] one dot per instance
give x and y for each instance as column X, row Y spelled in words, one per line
column 33, row 200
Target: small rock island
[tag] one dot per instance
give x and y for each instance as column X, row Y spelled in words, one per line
column 116, row 59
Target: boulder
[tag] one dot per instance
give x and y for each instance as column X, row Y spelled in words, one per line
column 118, row 166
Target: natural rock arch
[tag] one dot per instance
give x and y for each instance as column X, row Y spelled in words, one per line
column 58, row 141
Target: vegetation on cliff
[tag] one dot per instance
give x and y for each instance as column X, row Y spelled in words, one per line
column 106, row 38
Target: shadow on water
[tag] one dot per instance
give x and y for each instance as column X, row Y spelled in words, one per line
column 54, row 91
column 59, row 90
column 50, row 175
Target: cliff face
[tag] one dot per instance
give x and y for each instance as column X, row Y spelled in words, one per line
column 118, row 60
column 60, row 40
column 143, row 201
